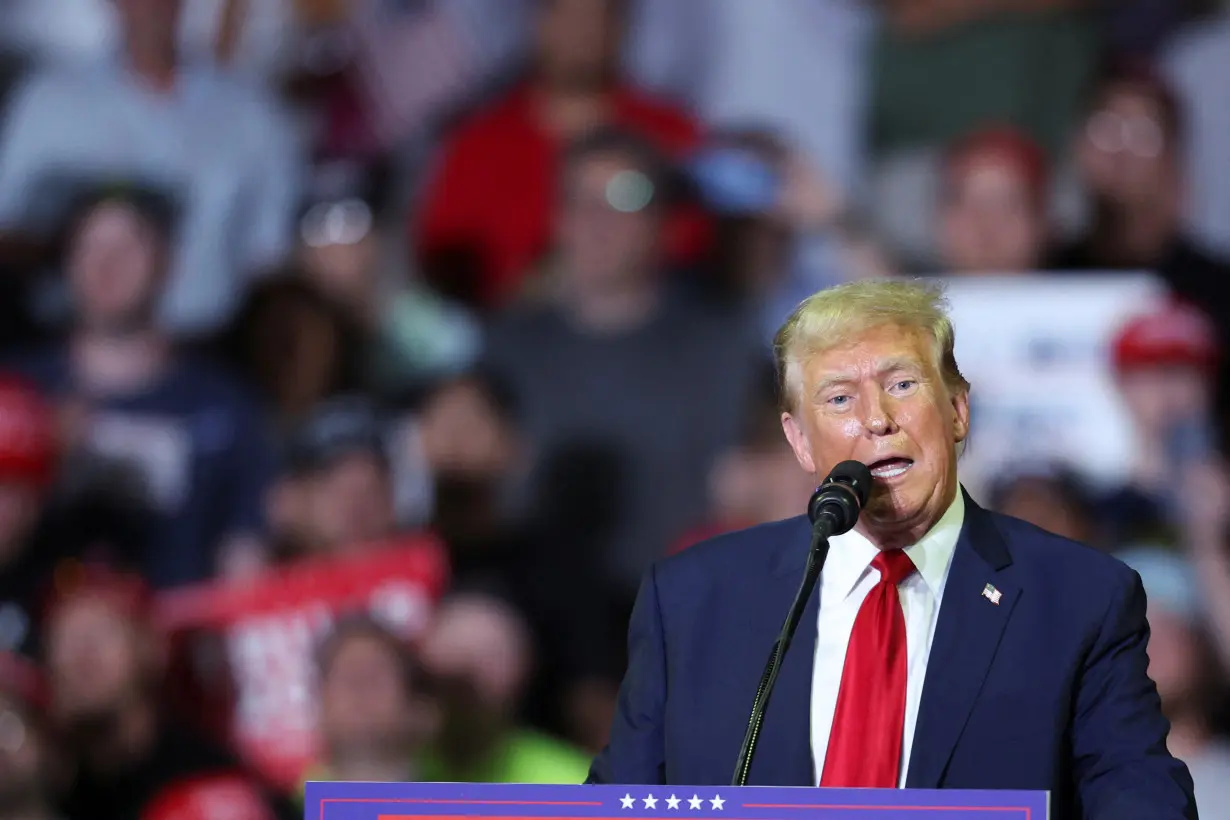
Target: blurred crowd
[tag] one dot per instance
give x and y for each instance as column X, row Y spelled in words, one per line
column 291, row 286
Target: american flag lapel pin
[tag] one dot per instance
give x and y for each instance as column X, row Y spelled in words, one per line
column 992, row 594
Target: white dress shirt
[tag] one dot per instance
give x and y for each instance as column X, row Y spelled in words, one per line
column 844, row 583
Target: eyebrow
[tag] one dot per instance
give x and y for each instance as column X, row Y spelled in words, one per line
column 883, row 368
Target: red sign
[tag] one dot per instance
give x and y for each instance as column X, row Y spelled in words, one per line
column 271, row 627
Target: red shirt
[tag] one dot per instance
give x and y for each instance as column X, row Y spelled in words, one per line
column 495, row 189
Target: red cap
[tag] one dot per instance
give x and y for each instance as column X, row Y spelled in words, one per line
column 1175, row 335
column 224, row 794
column 27, row 433
column 1010, row 145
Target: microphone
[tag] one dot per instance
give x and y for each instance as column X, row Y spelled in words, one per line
column 834, row 508
column 836, row 503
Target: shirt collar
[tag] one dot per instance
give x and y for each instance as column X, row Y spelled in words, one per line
column 850, row 555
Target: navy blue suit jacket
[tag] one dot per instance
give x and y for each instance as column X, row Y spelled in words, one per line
column 1047, row 690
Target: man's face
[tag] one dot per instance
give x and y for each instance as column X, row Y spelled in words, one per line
column 882, row 401
column 462, row 434
column 1158, row 397
column 990, row 221
column 578, row 42
column 477, row 643
column 348, row 503
column 609, row 226
column 364, row 702
column 93, row 658
column 114, row 268
column 1124, row 151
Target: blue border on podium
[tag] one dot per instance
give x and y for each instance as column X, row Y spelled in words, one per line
column 480, row 801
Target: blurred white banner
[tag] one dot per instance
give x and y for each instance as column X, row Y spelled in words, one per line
column 1037, row 351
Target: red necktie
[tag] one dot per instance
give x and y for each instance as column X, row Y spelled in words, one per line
column 865, row 743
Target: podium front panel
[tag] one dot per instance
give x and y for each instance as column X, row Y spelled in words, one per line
column 480, row 801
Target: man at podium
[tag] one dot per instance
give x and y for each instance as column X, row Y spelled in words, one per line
column 946, row 647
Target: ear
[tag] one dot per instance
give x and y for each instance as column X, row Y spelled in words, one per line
column 960, row 420
column 797, row 436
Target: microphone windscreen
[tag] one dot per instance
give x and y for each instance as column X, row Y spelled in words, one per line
column 855, row 475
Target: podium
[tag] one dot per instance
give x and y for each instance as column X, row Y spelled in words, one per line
column 481, row 801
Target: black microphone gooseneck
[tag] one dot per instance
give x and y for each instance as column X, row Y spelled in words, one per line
column 833, row 509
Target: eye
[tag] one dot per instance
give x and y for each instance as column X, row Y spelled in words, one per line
column 839, row 401
column 904, row 385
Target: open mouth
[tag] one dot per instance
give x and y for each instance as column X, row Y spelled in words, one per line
column 889, row 468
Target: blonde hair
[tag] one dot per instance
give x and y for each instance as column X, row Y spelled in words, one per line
column 837, row 316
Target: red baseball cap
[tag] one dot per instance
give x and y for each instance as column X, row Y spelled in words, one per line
column 1010, row 145
column 1177, row 335
column 28, row 445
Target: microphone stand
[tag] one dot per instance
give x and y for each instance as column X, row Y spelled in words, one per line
column 816, row 556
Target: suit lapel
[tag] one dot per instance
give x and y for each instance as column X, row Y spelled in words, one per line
column 967, row 636
column 783, row 756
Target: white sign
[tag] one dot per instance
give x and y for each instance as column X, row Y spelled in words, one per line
column 1036, row 350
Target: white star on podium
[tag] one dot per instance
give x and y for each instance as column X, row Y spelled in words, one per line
column 651, row 802
column 626, row 801
column 717, row 802
column 672, row 802
column 694, row 802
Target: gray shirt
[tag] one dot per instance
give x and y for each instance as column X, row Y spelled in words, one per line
column 650, row 407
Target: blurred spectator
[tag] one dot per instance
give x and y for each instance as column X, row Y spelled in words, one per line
column 1130, row 153
column 993, row 206
column 1195, row 64
column 296, row 346
column 337, row 493
column 488, row 214
column 943, row 69
column 132, row 758
column 1183, row 666
column 374, row 714
column 1164, row 365
column 627, row 394
column 479, row 654
column 780, row 232
column 1051, row 497
column 31, row 771
column 411, row 336
column 475, row 449
column 169, row 435
column 150, row 115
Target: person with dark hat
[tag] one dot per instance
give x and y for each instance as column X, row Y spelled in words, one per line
column 336, row 491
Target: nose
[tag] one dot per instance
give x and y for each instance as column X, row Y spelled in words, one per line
column 878, row 420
